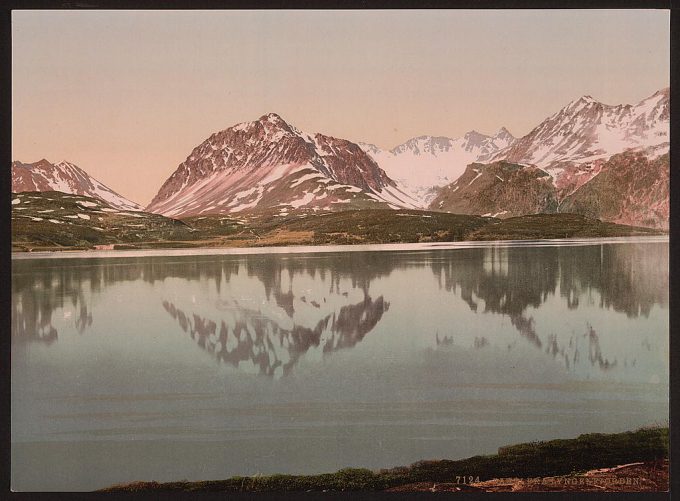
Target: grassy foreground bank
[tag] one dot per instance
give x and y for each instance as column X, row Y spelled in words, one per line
column 529, row 460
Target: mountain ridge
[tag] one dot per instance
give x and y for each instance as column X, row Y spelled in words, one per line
column 424, row 163
column 65, row 177
column 586, row 130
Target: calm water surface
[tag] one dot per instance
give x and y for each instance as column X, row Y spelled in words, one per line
column 206, row 366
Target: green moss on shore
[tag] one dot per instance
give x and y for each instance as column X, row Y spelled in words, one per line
column 551, row 226
column 534, row 459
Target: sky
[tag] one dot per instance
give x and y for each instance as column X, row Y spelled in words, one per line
column 126, row 95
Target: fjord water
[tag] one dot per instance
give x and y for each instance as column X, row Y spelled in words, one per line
column 207, row 366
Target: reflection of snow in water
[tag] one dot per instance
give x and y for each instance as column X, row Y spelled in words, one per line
column 270, row 347
column 495, row 297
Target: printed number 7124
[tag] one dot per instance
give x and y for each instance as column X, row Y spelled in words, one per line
column 466, row 479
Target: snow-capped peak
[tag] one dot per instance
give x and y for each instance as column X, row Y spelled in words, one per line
column 66, row 177
column 249, row 166
column 586, row 130
column 270, row 119
column 273, row 118
column 475, row 138
column 503, row 138
column 577, row 106
column 425, row 144
column 655, row 107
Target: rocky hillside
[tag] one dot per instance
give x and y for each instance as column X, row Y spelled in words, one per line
column 500, row 189
column 630, row 188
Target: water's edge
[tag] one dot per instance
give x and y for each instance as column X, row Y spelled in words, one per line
column 309, row 249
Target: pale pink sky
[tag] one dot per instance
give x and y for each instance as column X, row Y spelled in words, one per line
column 126, row 95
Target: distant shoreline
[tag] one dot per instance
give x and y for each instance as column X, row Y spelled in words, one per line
column 329, row 248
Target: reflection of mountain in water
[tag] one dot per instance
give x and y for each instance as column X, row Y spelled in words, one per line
column 628, row 278
column 38, row 293
column 508, row 280
column 240, row 334
column 571, row 354
column 39, row 287
column 251, row 338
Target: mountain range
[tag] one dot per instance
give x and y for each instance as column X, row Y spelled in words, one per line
column 425, row 163
column 616, row 157
column 599, row 160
